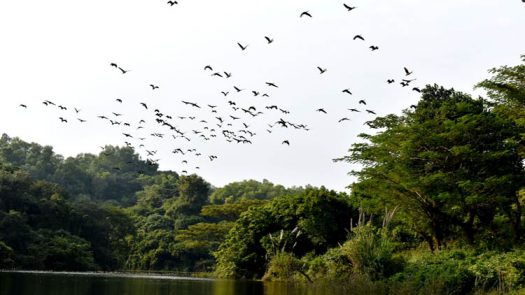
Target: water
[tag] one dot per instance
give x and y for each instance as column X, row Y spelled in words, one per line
column 44, row 283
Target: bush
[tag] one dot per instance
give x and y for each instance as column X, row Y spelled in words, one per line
column 333, row 265
column 371, row 253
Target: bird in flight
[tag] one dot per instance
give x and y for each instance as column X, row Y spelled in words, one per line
column 113, row 65
column 241, row 46
column 416, row 89
column 321, row 110
column 354, row 110
column 62, row 120
column 374, row 48
column 272, row 84
column 362, row 101
column 77, row 110
column 347, row 91
column 370, row 112
column 359, row 37
column 191, row 103
column 286, row 142
column 349, row 8
column 270, row 40
column 208, row 68
column 228, row 75
column 343, row 119
column 407, row 72
column 390, row 81
column 237, row 88
column 23, row 106
column 122, row 70
column 144, row 105
column 225, row 93
column 153, row 87
column 171, row 3
column 306, row 13
column 119, row 100
column 321, row 70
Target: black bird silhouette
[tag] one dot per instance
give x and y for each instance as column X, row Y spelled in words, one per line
column 117, row 115
column 354, row 110
column 237, row 89
column 228, row 75
column 103, row 117
column 390, row 81
column 232, row 103
column 321, row 110
column 416, row 89
column 119, row 100
column 374, row 48
column 81, row 120
column 407, row 72
column 270, row 40
column 343, row 119
column 62, row 120
column 286, row 142
column 171, row 2
column 272, row 84
column 144, row 105
column 191, row 103
column 127, row 135
column 77, row 110
column 225, row 93
column 255, row 93
column 113, row 65
column 241, row 46
column 122, row 70
column 347, row 91
column 359, row 37
column 217, row 75
column 370, row 112
column 321, row 70
column 306, row 13
column 153, row 87
column 362, row 101
column 208, row 68
column 234, row 118
column 63, row 108
column 349, row 7
column 23, row 106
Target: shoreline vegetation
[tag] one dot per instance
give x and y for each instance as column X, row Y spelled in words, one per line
column 436, row 208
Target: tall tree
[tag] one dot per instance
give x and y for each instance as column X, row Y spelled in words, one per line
column 451, row 164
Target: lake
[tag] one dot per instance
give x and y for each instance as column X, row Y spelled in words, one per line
column 62, row 283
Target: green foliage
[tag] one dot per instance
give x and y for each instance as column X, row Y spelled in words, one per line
column 371, row 253
column 60, row 250
column 247, row 190
column 317, row 213
column 451, row 164
column 283, row 267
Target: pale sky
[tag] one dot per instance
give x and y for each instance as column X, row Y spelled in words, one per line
column 61, row 50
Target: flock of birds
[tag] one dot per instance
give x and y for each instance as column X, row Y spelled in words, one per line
column 232, row 120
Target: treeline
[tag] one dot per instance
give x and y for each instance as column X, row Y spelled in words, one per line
column 112, row 211
column 438, row 203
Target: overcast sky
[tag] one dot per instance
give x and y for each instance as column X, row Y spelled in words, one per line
column 61, row 51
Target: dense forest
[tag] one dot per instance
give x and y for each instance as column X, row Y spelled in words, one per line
column 438, row 201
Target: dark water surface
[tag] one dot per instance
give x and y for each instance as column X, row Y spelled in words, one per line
column 42, row 283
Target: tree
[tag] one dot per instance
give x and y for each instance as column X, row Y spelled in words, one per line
column 451, row 164
column 318, row 214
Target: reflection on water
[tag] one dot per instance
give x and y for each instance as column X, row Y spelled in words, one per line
column 38, row 283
